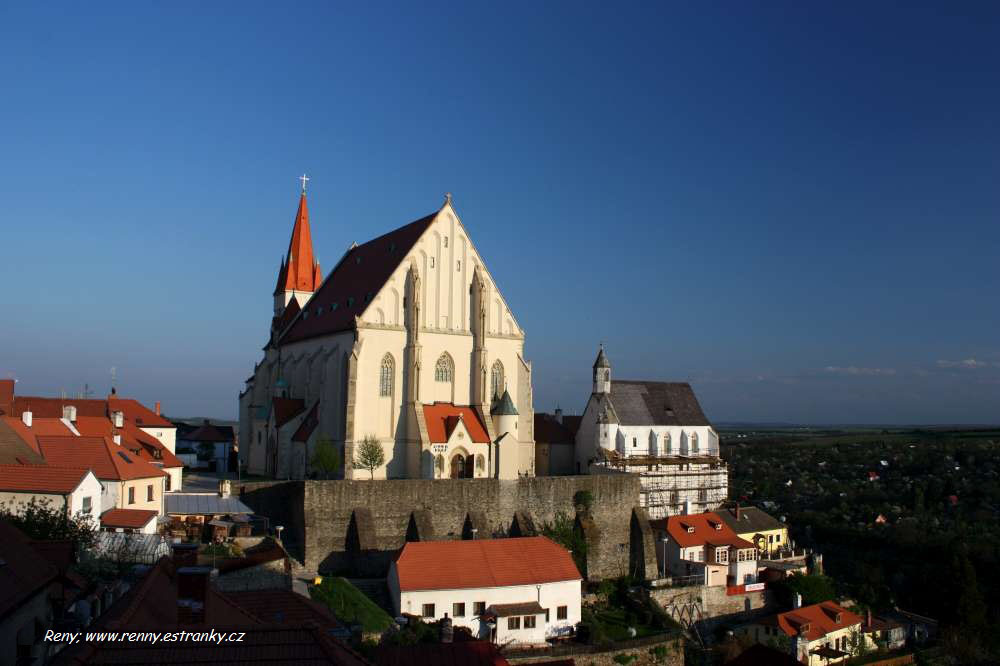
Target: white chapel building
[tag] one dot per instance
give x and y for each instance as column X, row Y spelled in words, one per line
column 656, row 430
column 408, row 340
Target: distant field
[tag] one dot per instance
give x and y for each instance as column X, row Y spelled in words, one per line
column 798, row 436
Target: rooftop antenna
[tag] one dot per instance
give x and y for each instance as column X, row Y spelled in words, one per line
column 87, row 392
column 114, row 374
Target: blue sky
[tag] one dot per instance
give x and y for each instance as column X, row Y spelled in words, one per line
column 794, row 206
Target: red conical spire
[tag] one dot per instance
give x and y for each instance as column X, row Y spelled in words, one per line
column 300, row 271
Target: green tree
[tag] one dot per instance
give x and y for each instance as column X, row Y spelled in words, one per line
column 971, row 610
column 370, row 455
column 563, row 531
column 814, row 588
column 325, row 459
column 41, row 520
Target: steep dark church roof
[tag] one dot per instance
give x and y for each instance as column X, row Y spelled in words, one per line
column 504, row 406
column 656, row 403
column 347, row 291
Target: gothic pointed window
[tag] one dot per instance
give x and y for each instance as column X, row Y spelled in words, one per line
column 444, row 369
column 666, row 442
column 496, row 380
column 386, row 375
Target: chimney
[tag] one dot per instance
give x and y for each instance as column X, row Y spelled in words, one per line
column 118, row 418
column 26, row 417
column 447, row 631
column 225, row 488
column 69, row 413
column 157, row 407
column 558, row 415
column 797, row 601
column 192, row 589
column 6, row 396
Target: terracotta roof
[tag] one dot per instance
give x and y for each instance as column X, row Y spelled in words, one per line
column 106, row 459
column 656, row 403
column 207, row 432
column 151, row 604
column 53, row 408
column 41, row 478
column 299, row 270
column 279, row 606
column 358, row 276
column 550, row 431
column 133, row 438
column 709, row 528
column 14, row 450
column 44, row 427
column 130, row 518
column 24, row 572
column 442, row 417
column 286, row 409
column 459, row 653
column 819, row 618
column 308, row 425
column 483, row 563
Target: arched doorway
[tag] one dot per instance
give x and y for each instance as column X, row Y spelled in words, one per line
column 458, row 466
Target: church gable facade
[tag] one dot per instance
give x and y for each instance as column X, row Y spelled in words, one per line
column 408, row 341
column 658, row 431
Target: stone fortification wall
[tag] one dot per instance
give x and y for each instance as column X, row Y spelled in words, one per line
column 358, row 527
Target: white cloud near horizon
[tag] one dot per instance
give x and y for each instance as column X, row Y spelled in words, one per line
column 859, row 372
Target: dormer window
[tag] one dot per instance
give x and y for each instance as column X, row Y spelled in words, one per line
column 690, row 530
column 838, row 618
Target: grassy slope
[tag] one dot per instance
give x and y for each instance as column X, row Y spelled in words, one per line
column 350, row 605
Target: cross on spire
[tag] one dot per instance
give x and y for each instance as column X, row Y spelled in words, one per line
column 305, row 179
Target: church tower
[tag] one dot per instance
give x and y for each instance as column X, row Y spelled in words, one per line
column 602, row 373
column 299, row 275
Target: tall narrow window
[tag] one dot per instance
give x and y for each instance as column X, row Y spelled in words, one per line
column 694, row 442
column 386, row 374
column 496, row 379
column 444, row 369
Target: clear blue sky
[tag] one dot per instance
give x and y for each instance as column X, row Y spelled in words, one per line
column 794, row 206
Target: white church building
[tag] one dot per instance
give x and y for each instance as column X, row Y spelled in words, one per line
column 657, row 430
column 408, row 340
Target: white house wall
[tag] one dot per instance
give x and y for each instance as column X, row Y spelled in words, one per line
column 550, row 596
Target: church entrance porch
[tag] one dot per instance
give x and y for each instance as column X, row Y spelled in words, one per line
column 462, row 466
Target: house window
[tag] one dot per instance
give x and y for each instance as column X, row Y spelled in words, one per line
column 385, row 376
column 529, row 621
column 478, row 607
column 694, row 442
column 149, row 493
column 87, row 505
column 561, row 612
column 634, row 442
column 458, row 265
column 167, row 482
column 131, row 495
column 428, row 610
column 513, row 623
column 458, row 610
column 444, row 369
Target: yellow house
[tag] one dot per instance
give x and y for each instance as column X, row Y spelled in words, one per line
column 818, row 635
column 769, row 534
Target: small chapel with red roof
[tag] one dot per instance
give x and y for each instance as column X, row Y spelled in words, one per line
column 407, row 341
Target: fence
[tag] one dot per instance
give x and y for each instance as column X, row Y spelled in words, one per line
column 570, row 649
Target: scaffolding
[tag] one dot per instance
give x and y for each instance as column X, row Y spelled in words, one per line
column 673, row 485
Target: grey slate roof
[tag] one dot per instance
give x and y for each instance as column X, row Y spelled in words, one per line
column 751, row 519
column 602, row 360
column 193, row 504
column 504, row 405
column 656, row 403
